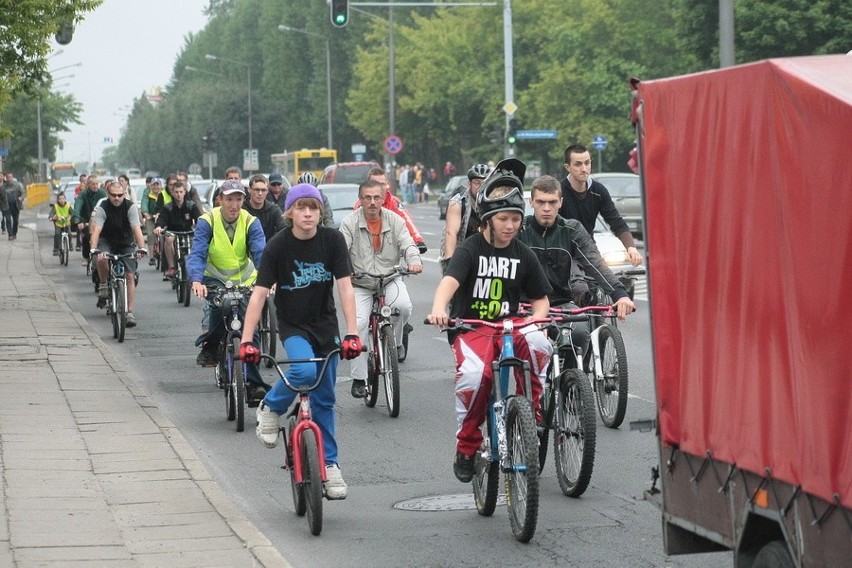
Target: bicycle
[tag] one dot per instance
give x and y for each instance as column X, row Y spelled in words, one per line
column 182, row 248
column 509, row 436
column 116, row 304
column 64, row 246
column 568, row 406
column 383, row 355
column 231, row 371
column 303, row 444
column 267, row 328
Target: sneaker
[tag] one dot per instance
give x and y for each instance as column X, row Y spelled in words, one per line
column 170, row 273
column 255, row 394
column 78, row 248
column 102, row 302
column 152, row 261
column 400, row 353
column 359, row 388
column 55, row 252
column 207, row 358
column 103, row 291
column 463, row 467
column 131, row 320
column 268, row 426
column 335, row 487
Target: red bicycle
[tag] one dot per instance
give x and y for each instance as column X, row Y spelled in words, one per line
column 304, row 454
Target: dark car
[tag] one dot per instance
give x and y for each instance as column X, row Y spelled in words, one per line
column 627, row 195
column 454, row 186
column 347, row 172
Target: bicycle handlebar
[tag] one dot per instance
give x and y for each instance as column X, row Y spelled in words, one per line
column 113, row 256
column 396, row 271
column 320, row 375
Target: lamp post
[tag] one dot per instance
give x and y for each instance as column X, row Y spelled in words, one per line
column 284, row 28
column 248, row 69
column 205, row 71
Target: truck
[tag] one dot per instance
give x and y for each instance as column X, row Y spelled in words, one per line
column 748, row 222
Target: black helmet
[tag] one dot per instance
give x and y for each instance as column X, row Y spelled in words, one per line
column 508, row 172
column 478, row 171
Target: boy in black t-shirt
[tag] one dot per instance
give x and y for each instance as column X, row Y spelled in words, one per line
column 302, row 263
column 485, row 279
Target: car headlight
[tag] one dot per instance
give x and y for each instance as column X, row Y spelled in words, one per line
column 615, row 257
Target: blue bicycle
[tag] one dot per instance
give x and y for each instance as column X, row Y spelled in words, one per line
column 509, row 436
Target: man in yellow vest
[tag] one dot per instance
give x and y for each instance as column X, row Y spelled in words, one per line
column 227, row 246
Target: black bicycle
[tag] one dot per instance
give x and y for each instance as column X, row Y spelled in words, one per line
column 116, row 303
column 182, row 248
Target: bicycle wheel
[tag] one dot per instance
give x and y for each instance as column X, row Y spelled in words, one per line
column 522, row 477
column 486, row 473
column 611, row 387
column 268, row 331
column 372, row 377
column 119, row 309
column 63, row 250
column 297, row 490
column 184, row 289
column 312, row 482
column 391, row 368
column 574, row 433
column 225, row 366
column 238, row 385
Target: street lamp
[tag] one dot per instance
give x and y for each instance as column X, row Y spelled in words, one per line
column 248, row 68
column 284, row 28
column 205, row 71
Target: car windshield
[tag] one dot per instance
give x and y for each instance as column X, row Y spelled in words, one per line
column 351, row 174
column 341, row 197
column 621, row 186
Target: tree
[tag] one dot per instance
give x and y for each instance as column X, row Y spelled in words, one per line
column 25, row 35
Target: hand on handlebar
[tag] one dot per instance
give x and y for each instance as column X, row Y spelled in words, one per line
column 438, row 318
column 624, row 307
column 199, row 290
column 351, row 346
column 249, row 352
column 415, row 268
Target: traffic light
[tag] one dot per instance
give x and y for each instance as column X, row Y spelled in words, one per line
column 65, row 32
column 511, row 132
column 207, row 141
column 339, row 13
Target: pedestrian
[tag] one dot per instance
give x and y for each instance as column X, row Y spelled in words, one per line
column 14, row 203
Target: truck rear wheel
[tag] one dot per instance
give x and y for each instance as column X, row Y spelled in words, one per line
column 774, row 555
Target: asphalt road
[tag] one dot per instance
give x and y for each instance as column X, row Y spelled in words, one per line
column 405, row 507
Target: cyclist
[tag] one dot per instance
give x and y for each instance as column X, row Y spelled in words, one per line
column 179, row 215
column 301, row 262
column 276, row 194
column 83, row 207
column 392, row 203
column 462, row 220
column 77, row 189
column 116, row 226
column 378, row 242
column 191, row 192
column 559, row 244
column 149, row 213
column 270, row 216
column 60, row 214
column 486, row 278
column 227, row 245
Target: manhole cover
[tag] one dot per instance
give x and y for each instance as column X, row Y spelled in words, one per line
column 459, row 502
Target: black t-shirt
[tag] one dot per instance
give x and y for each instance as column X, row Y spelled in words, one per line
column 492, row 281
column 305, row 273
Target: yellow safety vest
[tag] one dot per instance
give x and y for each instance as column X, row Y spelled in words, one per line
column 227, row 260
column 63, row 215
column 167, row 198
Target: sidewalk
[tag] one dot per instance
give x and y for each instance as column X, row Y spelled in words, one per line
column 91, row 473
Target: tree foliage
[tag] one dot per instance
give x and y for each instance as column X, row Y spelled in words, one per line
column 572, row 60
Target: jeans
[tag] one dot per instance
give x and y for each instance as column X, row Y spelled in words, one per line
column 11, row 218
column 280, row 397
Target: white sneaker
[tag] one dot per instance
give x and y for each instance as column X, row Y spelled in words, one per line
column 335, row 487
column 268, row 425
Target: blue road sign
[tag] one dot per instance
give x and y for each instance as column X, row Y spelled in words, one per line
column 536, row 134
column 599, row 142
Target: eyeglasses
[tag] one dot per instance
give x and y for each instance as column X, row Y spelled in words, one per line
column 373, row 198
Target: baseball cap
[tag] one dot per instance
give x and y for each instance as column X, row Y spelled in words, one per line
column 230, row 186
column 299, row 191
column 157, row 181
column 276, row 178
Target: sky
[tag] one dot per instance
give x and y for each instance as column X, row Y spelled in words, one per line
column 125, row 47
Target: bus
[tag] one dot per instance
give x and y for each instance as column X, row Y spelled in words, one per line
column 292, row 164
column 59, row 170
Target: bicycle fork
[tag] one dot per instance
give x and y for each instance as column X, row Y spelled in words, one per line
column 501, row 372
column 303, row 423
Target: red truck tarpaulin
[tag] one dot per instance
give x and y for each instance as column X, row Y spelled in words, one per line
column 748, row 189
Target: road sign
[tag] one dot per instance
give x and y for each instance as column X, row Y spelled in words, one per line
column 194, row 169
column 393, row 144
column 250, row 160
column 599, row 142
column 359, row 148
column 536, row 134
column 211, row 160
column 510, row 107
